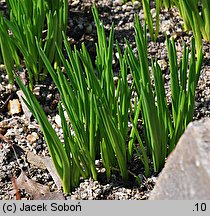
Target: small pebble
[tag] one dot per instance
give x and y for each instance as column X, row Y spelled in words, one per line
column 74, row 3
column 117, row 2
column 136, row 5
column 32, row 137
column 58, row 120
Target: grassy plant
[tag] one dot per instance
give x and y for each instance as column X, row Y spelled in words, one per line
column 163, row 128
column 60, row 154
column 154, row 26
column 149, row 20
column 99, row 110
column 28, row 19
column 1, row 58
column 167, row 4
column 96, row 108
column 114, row 114
column 196, row 20
column 8, row 51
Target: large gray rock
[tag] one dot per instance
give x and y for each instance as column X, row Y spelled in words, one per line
column 186, row 174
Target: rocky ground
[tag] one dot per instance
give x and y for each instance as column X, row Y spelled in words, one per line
column 23, row 151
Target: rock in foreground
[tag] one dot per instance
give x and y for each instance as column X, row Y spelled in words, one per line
column 186, row 175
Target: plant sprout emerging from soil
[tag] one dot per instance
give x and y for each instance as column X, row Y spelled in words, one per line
column 149, row 20
column 162, row 128
column 99, row 110
column 154, row 27
column 28, row 20
column 195, row 19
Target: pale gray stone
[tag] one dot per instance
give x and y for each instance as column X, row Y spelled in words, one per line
column 186, row 175
column 117, row 2
column 136, row 5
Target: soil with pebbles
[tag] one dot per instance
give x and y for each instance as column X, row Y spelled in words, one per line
column 26, row 136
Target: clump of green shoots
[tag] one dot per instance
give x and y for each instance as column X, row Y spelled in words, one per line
column 167, row 4
column 196, row 20
column 8, row 51
column 96, row 108
column 149, row 20
column 154, row 27
column 162, row 126
column 28, row 20
column 95, row 111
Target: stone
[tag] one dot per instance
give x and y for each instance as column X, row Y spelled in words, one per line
column 11, row 88
column 186, row 175
column 163, row 64
column 33, row 137
column 58, row 120
column 117, row 2
column 36, row 90
column 136, row 5
column 14, row 107
column 74, row 3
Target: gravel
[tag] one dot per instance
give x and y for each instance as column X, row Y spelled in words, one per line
column 24, row 135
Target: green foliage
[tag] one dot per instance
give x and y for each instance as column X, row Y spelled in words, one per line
column 8, row 51
column 149, row 20
column 162, row 128
column 167, row 4
column 99, row 109
column 28, row 20
column 154, row 26
column 196, row 20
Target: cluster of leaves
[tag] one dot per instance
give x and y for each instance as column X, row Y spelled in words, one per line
column 98, row 114
column 99, row 109
column 28, row 21
column 154, row 27
column 162, row 128
column 196, row 19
